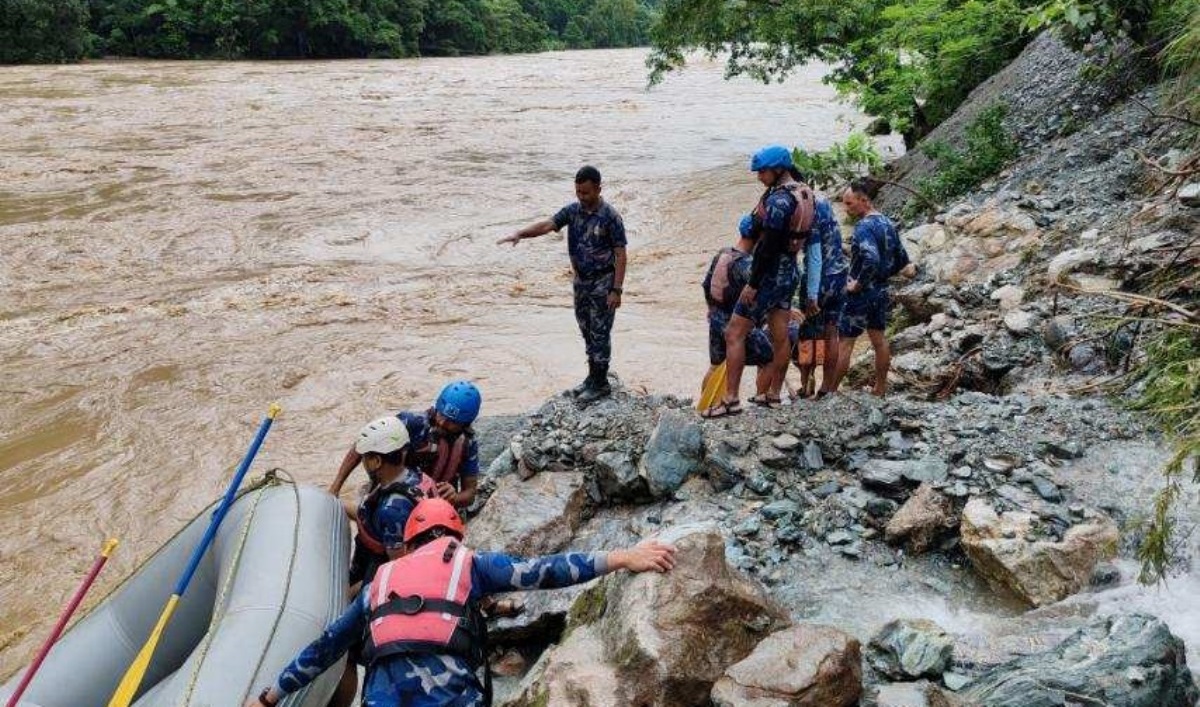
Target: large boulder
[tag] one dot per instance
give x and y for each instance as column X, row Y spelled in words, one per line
column 907, row 649
column 664, row 639
column 1130, row 661
column 804, row 666
column 531, row 517
column 922, row 520
column 1006, row 551
column 673, row 451
column 617, row 477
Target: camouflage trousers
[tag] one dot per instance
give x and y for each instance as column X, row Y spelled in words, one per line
column 594, row 317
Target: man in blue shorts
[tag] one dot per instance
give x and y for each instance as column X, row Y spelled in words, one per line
column 774, row 275
column 876, row 254
column 833, row 289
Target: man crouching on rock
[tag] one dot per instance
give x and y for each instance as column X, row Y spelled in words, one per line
column 420, row 615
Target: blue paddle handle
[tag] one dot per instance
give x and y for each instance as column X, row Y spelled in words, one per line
column 226, row 502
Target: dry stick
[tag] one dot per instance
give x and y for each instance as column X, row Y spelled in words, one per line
column 1175, row 174
column 1166, row 116
column 1140, row 299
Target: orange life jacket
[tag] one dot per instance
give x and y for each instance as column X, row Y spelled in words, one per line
column 800, row 227
column 421, row 603
column 427, row 488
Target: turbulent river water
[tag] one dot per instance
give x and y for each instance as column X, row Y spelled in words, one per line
column 185, row 242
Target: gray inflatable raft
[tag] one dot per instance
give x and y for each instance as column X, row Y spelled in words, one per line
column 272, row 579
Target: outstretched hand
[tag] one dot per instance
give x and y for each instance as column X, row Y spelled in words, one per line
column 646, row 556
column 513, row 239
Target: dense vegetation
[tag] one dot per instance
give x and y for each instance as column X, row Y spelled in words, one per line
column 909, row 63
column 67, row 30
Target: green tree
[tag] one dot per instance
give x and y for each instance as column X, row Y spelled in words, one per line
column 40, row 31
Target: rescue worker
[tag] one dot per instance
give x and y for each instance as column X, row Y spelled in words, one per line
column 596, row 244
column 833, row 289
column 443, row 444
column 383, row 445
column 876, row 254
column 424, row 635
column 727, row 275
column 783, row 221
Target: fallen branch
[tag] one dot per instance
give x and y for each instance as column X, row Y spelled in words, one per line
column 1167, row 116
column 936, row 206
column 1137, row 299
column 1174, row 174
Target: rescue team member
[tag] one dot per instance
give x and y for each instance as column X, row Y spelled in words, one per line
column 833, row 289
column 727, row 275
column 381, row 516
column 876, row 254
column 443, row 444
column 783, row 218
column 424, row 632
column 596, row 244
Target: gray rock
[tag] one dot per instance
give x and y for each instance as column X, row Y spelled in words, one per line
column 812, row 456
column 839, row 537
column 928, row 469
column 955, row 681
column 1132, row 660
column 911, row 648
column 672, row 453
column 1019, row 322
column 759, row 484
column 790, row 534
column 905, row 694
column 1047, row 489
column 853, row 550
column 617, row 477
column 1057, row 332
column 883, row 475
column 876, row 419
column 1189, row 194
column 786, row 442
column 779, row 509
column 504, row 463
column 1060, row 450
column 827, row 489
column 721, row 471
column 962, row 472
column 748, row 528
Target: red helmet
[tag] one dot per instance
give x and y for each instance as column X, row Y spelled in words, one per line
column 433, row 513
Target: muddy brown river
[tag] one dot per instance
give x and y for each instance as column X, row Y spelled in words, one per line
column 184, row 243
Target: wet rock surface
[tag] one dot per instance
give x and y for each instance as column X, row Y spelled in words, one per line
column 807, row 665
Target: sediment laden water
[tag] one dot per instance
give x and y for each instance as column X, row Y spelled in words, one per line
column 185, row 242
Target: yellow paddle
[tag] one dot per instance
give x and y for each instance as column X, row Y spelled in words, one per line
column 711, row 388
column 132, row 680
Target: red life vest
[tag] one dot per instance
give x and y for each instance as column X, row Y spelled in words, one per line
column 427, row 488
column 421, row 603
column 802, row 216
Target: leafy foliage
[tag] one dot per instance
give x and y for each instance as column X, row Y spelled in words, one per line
column 42, row 30
column 988, row 148
column 840, row 163
column 58, row 30
column 1181, row 56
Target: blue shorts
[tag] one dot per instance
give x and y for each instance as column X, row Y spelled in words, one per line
column 758, row 342
column 833, row 298
column 775, row 292
column 866, row 310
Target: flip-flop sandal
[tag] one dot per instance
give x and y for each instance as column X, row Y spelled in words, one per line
column 722, row 409
column 766, row 401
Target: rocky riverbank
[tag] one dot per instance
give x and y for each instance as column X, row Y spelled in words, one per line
column 970, row 540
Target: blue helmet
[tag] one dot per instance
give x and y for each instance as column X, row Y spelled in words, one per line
column 459, row 402
column 772, row 157
column 746, row 226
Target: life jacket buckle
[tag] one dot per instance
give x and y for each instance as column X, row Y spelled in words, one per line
column 410, row 605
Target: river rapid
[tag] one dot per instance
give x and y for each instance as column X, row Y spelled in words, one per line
column 185, row 242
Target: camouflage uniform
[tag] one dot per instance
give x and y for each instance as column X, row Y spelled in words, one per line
column 875, row 255
column 833, row 262
column 592, row 240
column 434, row 680
column 386, row 522
column 422, row 435
column 758, row 344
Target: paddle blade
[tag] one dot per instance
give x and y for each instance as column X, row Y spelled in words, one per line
column 132, row 680
column 713, row 386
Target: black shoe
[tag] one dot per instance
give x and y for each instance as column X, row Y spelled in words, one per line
column 599, row 387
column 587, row 383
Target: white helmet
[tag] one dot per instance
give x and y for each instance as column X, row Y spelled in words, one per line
column 382, row 436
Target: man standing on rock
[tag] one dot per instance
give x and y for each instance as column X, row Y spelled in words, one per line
column 727, row 274
column 876, row 254
column 424, row 634
column 596, row 244
column 833, row 289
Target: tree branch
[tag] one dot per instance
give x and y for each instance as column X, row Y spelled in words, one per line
column 910, row 190
column 1166, row 116
column 1189, row 171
